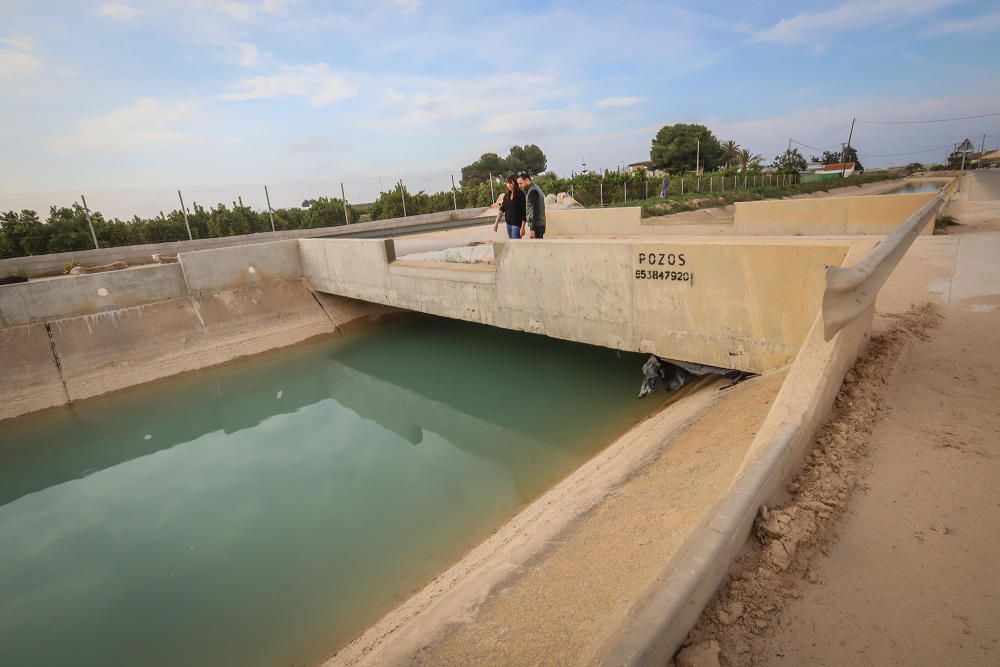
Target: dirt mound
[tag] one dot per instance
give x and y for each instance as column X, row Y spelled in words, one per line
column 775, row 562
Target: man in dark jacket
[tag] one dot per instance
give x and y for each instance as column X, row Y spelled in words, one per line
column 535, row 206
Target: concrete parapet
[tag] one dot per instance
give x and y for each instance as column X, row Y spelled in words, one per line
column 240, row 266
column 618, row 221
column 41, row 300
column 842, row 216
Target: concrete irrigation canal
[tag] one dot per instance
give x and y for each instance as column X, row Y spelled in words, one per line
column 447, row 462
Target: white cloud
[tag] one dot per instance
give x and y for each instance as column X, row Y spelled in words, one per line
column 145, row 124
column 19, row 42
column 241, row 10
column 317, row 83
column 619, row 102
column 117, row 11
column 819, row 25
column 408, row 6
column 417, row 102
column 985, row 23
column 539, row 122
column 16, row 61
column 249, row 55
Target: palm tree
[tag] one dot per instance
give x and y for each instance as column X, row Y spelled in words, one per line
column 730, row 151
column 747, row 159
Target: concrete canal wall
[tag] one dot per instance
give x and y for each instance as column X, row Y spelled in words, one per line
column 52, row 264
column 69, row 338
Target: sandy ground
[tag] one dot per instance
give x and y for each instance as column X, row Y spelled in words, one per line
column 884, row 553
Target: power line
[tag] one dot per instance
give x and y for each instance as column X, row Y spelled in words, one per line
column 795, row 141
column 819, row 141
column 926, row 150
column 918, row 122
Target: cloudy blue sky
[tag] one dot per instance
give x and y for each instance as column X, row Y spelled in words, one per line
column 132, row 99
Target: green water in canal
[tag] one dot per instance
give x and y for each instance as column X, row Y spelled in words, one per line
column 265, row 512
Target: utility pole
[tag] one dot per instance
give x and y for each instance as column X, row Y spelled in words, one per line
column 850, row 135
column 454, row 199
column 89, row 222
column 184, row 211
column 493, row 197
column 270, row 213
column 402, row 194
column 347, row 215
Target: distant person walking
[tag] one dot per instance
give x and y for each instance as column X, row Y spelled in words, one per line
column 665, row 187
column 534, row 202
column 512, row 209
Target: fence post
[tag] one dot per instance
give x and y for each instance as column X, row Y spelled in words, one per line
column 89, row 223
column 602, row 193
column 647, row 187
column 699, row 184
column 682, row 186
column 493, row 197
column 270, row 212
column 184, row 211
column 454, row 199
column 343, row 197
column 626, row 192
column 711, row 184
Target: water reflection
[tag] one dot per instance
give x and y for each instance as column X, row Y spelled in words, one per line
column 264, row 512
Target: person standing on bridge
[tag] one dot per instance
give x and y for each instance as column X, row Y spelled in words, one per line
column 512, row 209
column 534, row 200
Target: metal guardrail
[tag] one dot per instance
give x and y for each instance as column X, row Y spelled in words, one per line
column 850, row 291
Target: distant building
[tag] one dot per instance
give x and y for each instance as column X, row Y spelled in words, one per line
column 846, row 168
column 636, row 167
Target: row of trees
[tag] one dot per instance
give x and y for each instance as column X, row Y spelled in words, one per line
column 680, row 147
column 66, row 229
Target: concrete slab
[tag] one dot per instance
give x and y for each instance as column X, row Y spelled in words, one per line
column 54, row 298
column 31, row 378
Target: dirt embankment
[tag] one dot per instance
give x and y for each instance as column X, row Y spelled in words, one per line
column 737, row 627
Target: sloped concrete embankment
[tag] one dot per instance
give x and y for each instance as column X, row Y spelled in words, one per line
column 66, row 339
column 657, row 626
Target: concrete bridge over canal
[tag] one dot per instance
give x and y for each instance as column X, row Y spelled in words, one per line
column 743, row 304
